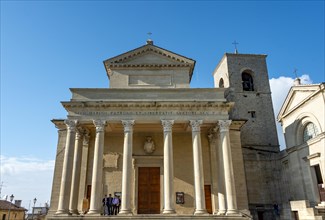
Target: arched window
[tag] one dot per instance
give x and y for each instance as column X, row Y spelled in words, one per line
column 247, row 80
column 221, row 83
column 310, row 131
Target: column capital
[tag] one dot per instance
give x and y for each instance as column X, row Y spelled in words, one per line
column 167, row 125
column 71, row 124
column 224, row 125
column 128, row 125
column 79, row 132
column 196, row 125
column 100, row 125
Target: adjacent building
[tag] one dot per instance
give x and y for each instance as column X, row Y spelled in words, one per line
column 11, row 211
column 303, row 161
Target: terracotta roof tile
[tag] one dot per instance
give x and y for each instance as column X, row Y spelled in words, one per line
column 4, row 205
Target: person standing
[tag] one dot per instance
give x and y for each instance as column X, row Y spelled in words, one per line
column 110, row 204
column 105, row 202
column 116, row 205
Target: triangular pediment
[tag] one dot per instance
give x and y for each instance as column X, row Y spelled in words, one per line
column 149, row 56
column 296, row 96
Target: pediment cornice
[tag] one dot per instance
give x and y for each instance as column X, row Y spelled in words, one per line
column 287, row 108
column 175, row 60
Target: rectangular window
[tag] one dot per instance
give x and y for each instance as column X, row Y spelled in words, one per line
column 253, row 114
column 295, row 215
column 318, row 175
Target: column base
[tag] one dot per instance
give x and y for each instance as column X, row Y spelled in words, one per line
column 74, row 212
column 94, row 213
column 63, row 213
column 221, row 212
column 125, row 212
column 170, row 211
column 233, row 213
column 201, row 212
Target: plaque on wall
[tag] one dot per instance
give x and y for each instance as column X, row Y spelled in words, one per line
column 111, row 160
column 180, row 198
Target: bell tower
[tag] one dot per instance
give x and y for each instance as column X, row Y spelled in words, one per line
column 247, row 79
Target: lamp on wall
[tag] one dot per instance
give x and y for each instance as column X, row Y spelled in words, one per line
column 11, row 198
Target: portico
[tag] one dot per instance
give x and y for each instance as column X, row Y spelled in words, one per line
column 148, row 144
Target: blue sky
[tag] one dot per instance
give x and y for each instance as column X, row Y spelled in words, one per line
column 48, row 47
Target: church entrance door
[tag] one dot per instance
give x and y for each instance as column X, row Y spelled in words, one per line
column 149, row 190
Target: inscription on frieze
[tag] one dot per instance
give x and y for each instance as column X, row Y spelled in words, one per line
column 157, row 113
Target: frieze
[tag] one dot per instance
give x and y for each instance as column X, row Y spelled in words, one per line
column 146, row 113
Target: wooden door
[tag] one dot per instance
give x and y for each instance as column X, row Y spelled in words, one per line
column 149, row 190
column 208, row 204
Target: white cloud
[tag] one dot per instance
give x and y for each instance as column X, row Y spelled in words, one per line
column 26, row 178
column 280, row 88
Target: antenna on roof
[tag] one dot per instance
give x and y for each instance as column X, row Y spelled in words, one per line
column 149, row 41
column 235, row 43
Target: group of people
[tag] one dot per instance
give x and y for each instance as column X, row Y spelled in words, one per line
column 111, row 205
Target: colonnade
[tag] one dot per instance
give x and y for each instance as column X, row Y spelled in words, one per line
column 67, row 203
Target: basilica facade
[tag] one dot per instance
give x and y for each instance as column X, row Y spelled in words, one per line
column 165, row 149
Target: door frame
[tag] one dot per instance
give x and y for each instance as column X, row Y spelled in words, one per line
column 146, row 161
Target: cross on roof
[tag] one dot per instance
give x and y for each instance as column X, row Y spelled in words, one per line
column 149, row 41
column 235, row 43
column 295, row 72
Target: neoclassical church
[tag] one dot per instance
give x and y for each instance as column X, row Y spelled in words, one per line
column 174, row 152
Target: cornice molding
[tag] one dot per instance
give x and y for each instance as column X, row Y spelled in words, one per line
column 124, row 65
column 145, row 49
column 146, row 105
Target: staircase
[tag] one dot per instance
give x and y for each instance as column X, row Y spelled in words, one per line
column 306, row 212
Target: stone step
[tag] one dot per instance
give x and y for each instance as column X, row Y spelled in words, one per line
column 149, row 217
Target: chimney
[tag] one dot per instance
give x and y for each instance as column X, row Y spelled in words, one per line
column 18, row 203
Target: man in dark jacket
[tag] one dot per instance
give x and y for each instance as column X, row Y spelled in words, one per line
column 109, row 204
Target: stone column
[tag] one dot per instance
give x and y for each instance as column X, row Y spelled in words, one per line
column 169, row 205
column 198, row 168
column 83, row 171
column 213, row 142
column 96, row 181
column 64, row 197
column 127, row 168
column 221, row 180
column 76, row 172
column 228, row 168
